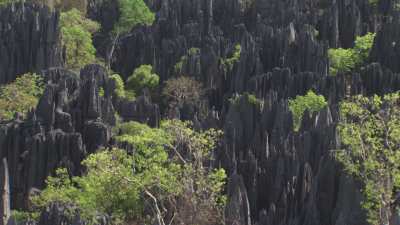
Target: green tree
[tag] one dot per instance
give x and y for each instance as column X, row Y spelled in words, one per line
column 132, row 13
column 345, row 60
column 228, row 63
column 119, row 86
column 362, row 48
column 341, row 60
column 310, row 102
column 164, row 171
column 369, row 129
column 142, row 77
column 20, row 96
column 76, row 36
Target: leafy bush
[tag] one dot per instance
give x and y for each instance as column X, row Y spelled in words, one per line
column 252, row 99
column 310, row 102
column 20, row 96
column 341, row 60
column 345, row 60
column 142, row 77
column 119, row 85
column 228, row 63
column 133, row 187
column 369, row 129
column 132, row 13
column 76, row 35
column 194, row 51
column 22, row 216
column 362, row 48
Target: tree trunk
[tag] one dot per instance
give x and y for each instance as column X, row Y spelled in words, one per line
column 110, row 53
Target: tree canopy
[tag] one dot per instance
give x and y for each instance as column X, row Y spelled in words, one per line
column 150, row 182
column 310, row 102
column 369, row 129
column 76, row 36
column 132, row 13
column 345, row 60
column 20, row 96
column 142, row 77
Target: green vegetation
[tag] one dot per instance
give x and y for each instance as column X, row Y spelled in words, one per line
column 251, row 98
column 5, row 2
column 179, row 65
column 228, row 63
column 369, row 129
column 76, row 35
column 362, row 48
column 20, row 96
column 142, row 77
column 119, row 86
column 132, row 13
column 149, row 184
column 194, row 51
column 373, row 3
column 21, row 216
column 345, row 60
column 310, row 102
column 341, row 60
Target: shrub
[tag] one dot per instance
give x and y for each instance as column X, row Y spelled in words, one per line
column 119, row 85
column 20, row 96
column 369, row 129
column 341, row 60
column 251, row 98
column 132, row 13
column 194, row 51
column 362, row 48
column 76, row 36
column 228, row 63
column 142, row 77
column 310, row 102
column 345, row 60
column 133, row 187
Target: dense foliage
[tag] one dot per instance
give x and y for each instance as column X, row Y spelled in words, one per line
column 119, row 86
column 143, row 77
column 76, row 35
column 149, row 184
column 370, row 133
column 310, row 102
column 345, row 60
column 132, row 13
column 20, row 96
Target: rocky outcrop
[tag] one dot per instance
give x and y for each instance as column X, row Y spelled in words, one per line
column 29, row 40
column 277, row 176
column 70, row 121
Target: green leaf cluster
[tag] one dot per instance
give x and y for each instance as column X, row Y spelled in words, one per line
column 119, row 86
column 369, row 129
column 164, row 169
column 345, row 60
column 142, row 77
column 228, row 63
column 20, row 96
column 76, row 36
column 251, row 98
column 132, row 13
column 310, row 102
